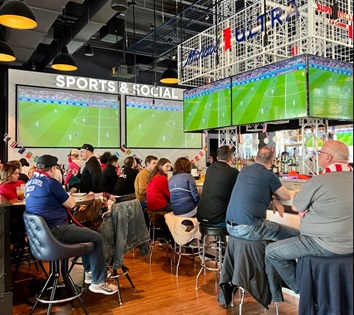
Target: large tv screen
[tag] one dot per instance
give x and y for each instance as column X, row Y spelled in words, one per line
column 208, row 106
column 330, row 88
column 157, row 123
column 49, row 117
column 271, row 93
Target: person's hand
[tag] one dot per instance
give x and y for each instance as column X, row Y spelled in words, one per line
column 278, row 206
column 91, row 194
column 302, row 214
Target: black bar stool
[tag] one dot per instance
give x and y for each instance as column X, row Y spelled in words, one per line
column 45, row 246
column 217, row 244
column 245, row 268
column 153, row 227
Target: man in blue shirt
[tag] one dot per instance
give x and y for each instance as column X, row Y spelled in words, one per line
column 255, row 187
column 46, row 197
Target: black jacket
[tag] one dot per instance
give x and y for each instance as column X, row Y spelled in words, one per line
column 219, row 181
column 90, row 176
column 108, row 178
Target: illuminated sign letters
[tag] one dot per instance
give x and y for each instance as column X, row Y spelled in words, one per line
column 99, row 85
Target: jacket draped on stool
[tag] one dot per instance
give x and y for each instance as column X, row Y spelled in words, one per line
column 178, row 231
column 123, row 229
column 325, row 285
column 244, row 265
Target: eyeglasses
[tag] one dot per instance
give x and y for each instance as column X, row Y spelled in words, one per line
column 16, row 173
column 323, row 152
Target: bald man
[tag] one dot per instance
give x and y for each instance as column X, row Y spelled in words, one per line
column 255, row 187
column 325, row 205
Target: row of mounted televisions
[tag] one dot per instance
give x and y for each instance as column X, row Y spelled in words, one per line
column 303, row 86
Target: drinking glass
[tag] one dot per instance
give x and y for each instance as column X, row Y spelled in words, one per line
column 20, row 193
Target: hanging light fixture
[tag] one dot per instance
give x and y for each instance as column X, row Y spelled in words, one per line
column 6, row 52
column 64, row 61
column 119, row 5
column 18, row 15
column 170, row 76
column 88, row 51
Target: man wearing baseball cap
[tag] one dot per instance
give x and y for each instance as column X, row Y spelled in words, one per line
column 46, row 197
column 91, row 174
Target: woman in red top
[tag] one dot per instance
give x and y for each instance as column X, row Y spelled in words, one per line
column 158, row 196
column 9, row 175
column 157, row 192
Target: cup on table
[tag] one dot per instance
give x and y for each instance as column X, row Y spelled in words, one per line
column 20, row 191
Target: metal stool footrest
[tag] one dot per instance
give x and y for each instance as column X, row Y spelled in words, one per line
column 54, row 280
column 195, row 251
column 218, row 244
column 116, row 275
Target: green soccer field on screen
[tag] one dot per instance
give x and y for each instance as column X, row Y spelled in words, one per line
column 59, row 118
column 157, row 124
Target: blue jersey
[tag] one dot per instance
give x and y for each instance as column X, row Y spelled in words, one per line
column 44, row 197
column 252, row 194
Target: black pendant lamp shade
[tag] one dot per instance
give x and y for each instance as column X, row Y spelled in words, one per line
column 6, row 52
column 64, row 61
column 170, row 76
column 18, row 15
column 119, row 5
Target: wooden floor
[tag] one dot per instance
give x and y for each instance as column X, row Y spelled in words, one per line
column 158, row 291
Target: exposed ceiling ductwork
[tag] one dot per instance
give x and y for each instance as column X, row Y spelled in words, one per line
column 77, row 23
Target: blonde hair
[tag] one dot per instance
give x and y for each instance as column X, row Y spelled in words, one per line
column 6, row 171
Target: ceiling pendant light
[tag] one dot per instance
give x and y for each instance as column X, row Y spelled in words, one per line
column 119, row 5
column 64, row 61
column 18, row 15
column 170, row 76
column 6, row 52
column 88, row 51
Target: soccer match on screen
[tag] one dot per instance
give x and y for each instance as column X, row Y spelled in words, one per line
column 208, row 106
column 157, row 123
column 330, row 88
column 274, row 92
column 50, row 117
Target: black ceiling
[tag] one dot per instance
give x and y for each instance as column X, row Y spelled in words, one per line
column 146, row 34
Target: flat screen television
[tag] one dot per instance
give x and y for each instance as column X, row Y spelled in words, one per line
column 272, row 93
column 48, row 117
column 157, row 123
column 330, row 88
column 345, row 136
column 208, row 106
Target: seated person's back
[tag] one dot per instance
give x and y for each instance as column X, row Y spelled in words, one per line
column 109, row 175
column 183, row 190
column 125, row 182
column 219, row 181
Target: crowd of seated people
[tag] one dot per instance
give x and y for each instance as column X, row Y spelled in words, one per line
column 215, row 205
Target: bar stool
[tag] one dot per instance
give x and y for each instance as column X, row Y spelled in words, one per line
column 45, row 246
column 184, row 239
column 325, row 284
column 245, row 268
column 153, row 227
column 116, row 275
column 218, row 244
